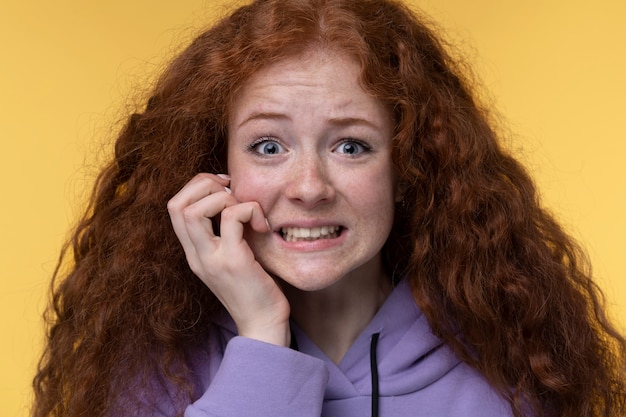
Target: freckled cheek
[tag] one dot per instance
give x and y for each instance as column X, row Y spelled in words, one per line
column 380, row 199
column 252, row 187
column 377, row 185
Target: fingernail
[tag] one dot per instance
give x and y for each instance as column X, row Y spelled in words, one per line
column 228, row 190
column 224, row 176
column 267, row 222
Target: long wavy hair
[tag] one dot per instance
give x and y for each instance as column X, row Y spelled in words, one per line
column 496, row 276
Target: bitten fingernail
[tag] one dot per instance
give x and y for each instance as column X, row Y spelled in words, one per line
column 267, row 222
column 224, row 176
column 228, row 190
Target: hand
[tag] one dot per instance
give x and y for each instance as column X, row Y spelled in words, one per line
column 226, row 263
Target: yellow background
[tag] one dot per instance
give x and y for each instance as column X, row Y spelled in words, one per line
column 554, row 69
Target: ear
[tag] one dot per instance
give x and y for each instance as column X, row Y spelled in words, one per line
column 401, row 188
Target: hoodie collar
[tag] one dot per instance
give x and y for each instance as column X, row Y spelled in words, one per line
column 405, row 344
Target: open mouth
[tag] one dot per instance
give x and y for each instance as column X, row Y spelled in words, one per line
column 302, row 234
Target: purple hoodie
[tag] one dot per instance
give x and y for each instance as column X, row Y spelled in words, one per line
column 396, row 367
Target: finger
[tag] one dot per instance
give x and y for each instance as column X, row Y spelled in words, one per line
column 201, row 186
column 191, row 210
column 197, row 188
column 195, row 230
column 197, row 220
column 234, row 218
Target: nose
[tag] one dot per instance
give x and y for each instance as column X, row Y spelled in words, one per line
column 310, row 185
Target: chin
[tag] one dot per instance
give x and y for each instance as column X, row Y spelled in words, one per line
column 307, row 281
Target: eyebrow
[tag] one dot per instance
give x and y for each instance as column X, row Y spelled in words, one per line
column 336, row 121
column 264, row 116
column 351, row 121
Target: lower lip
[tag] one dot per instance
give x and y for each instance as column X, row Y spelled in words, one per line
column 312, row 245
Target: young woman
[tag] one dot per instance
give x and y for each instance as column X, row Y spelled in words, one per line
column 313, row 217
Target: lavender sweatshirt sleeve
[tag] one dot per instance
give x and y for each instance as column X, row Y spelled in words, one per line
column 260, row 379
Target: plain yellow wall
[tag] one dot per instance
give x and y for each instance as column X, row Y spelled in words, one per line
column 555, row 69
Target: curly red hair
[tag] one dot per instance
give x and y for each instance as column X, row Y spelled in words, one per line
column 496, row 276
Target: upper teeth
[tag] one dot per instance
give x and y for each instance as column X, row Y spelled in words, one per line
column 314, row 232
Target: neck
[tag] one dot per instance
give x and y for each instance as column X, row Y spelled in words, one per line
column 334, row 317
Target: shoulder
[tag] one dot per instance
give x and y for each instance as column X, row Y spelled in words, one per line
column 473, row 395
column 157, row 392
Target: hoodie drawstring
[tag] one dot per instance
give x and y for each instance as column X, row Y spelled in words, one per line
column 373, row 368
column 294, row 343
column 374, row 372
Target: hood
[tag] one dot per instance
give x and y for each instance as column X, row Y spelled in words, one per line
column 408, row 356
column 395, row 367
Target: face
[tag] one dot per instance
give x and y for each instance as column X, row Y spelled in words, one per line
column 314, row 149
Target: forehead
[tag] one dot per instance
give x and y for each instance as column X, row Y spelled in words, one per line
column 320, row 76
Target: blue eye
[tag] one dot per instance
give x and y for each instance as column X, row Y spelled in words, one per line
column 351, row 147
column 266, row 146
